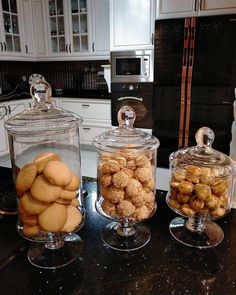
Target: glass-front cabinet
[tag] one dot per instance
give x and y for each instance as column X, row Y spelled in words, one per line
column 10, row 41
column 68, row 26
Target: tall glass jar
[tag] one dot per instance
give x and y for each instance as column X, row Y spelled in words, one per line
column 126, row 171
column 45, row 155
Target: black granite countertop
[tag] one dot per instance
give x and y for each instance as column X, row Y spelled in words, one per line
column 162, row 267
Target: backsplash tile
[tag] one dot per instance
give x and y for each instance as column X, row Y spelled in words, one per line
column 72, row 75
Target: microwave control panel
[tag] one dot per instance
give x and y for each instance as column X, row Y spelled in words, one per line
column 146, row 66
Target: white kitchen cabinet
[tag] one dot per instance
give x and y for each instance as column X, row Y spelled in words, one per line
column 68, row 28
column 7, row 110
column 96, row 114
column 10, row 38
column 189, row 8
column 131, row 24
column 78, row 28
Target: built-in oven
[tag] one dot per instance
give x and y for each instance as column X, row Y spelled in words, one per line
column 137, row 95
column 132, row 66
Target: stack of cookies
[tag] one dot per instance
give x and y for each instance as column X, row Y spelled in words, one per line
column 127, row 183
column 47, row 189
column 199, row 190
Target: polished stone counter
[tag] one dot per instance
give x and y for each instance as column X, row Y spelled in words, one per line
column 162, row 267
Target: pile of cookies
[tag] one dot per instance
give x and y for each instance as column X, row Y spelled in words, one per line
column 199, row 190
column 47, row 191
column 127, row 184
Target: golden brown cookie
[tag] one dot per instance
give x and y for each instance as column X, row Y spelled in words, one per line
column 25, row 178
column 44, row 191
column 31, row 205
column 74, row 184
column 53, row 218
column 58, row 173
column 42, row 159
column 74, row 218
column 67, row 195
column 74, row 202
column 29, row 231
column 25, row 217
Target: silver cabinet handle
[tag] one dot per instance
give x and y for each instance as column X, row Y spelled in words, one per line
column 66, row 47
column 130, row 97
column 93, row 47
column 152, row 39
column 5, row 46
column 85, row 105
column 196, row 5
column 70, row 48
column 86, row 128
column 26, row 49
column 1, row 46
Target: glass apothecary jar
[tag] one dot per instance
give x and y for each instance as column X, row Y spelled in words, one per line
column 202, row 184
column 126, row 159
column 45, row 155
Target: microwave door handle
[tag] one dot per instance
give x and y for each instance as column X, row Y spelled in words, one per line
column 130, row 97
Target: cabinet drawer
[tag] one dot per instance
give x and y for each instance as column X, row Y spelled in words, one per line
column 89, row 110
column 87, row 133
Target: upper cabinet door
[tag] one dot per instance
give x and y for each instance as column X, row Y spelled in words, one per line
column 79, row 26
column 57, row 30
column 39, row 14
column 214, row 7
column 131, row 24
column 26, row 27
column 176, row 8
column 188, row 8
column 101, row 28
column 10, row 44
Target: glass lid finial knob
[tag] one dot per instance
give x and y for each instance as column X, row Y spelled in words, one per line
column 126, row 116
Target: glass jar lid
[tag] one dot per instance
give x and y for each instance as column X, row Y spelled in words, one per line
column 126, row 136
column 43, row 117
column 203, row 155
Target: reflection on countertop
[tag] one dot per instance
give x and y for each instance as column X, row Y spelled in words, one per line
column 163, row 266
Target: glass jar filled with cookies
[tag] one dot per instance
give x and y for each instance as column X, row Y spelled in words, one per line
column 126, row 175
column 45, row 154
column 202, row 184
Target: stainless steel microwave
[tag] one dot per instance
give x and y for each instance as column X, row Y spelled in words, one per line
column 132, row 66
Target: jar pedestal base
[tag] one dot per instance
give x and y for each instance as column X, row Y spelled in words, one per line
column 209, row 235
column 137, row 236
column 44, row 257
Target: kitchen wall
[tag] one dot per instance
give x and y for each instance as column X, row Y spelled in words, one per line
column 75, row 76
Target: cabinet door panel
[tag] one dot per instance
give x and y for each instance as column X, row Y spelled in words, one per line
column 218, row 4
column 170, row 6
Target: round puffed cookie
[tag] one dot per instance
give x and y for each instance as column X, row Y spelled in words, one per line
column 25, row 178
column 44, row 191
column 53, row 218
column 74, row 218
column 58, row 173
column 31, row 205
column 42, row 159
column 74, row 184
